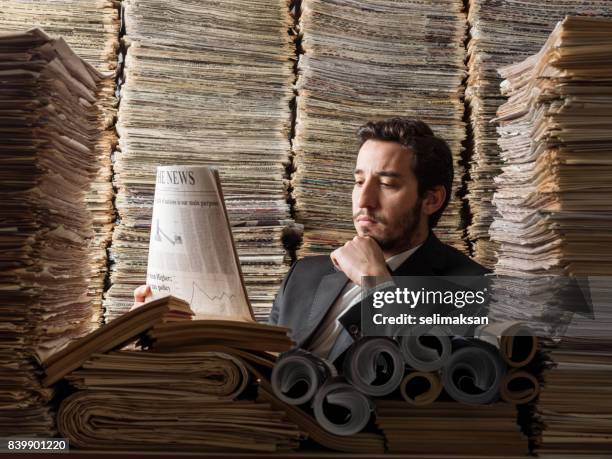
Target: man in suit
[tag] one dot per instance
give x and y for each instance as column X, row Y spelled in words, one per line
column 403, row 178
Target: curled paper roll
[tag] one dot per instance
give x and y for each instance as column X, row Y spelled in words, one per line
column 421, row 388
column 297, row 375
column 341, row 409
column 519, row 387
column 374, row 366
column 473, row 373
column 425, row 349
column 516, row 342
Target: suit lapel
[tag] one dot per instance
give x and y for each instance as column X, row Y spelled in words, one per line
column 328, row 290
column 342, row 343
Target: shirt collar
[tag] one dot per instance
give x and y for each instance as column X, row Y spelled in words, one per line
column 396, row 260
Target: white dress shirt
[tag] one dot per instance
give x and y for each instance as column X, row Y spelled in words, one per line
column 326, row 334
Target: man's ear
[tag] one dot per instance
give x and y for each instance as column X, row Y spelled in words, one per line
column 433, row 199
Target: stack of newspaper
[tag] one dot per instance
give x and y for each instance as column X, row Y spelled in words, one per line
column 501, row 33
column 213, row 89
column 49, row 125
column 554, row 203
column 574, row 410
column 553, row 194
column 256, row 345
column 448, row 428
column 365, row 61
column 191, row 399
column 91, row 29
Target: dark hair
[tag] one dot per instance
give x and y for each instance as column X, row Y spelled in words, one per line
column 433, row 160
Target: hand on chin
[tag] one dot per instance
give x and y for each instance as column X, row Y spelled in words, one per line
column 359, row 257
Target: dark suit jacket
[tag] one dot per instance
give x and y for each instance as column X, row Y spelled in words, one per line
column 312, row 286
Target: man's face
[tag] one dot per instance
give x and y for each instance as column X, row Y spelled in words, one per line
column 386, row 205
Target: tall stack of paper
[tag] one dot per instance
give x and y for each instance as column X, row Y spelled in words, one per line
column 213, row 89
column 365, row 61
column 92, row 31
column 554, row 199
column 49, row 124
column 501, row 33
column 553, row 195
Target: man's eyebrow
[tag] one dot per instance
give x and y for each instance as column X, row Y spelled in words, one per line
column 388, row 174
column 392, row 174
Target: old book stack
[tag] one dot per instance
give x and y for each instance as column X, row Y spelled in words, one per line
column 349, row 74
column 501, row 33
column 181, row 400
column 91, row 29
column 554, row 202
column 49, row 124
column 214, row 89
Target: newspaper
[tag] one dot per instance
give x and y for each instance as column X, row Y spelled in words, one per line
column 191, row 250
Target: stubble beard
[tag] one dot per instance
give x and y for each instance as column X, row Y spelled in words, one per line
column 409, row 223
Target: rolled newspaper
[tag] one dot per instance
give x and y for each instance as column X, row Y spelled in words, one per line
column 425, row 349
column 374, row 366
column 421, row 388
column 474, row 372
column 516, row 342
column 341, row 409
column 519, row 387
column 298, row 375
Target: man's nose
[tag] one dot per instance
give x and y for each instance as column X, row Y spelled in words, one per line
column 368, row 197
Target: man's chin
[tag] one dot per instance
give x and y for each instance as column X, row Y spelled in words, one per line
column 363, row 232
column 385, row 244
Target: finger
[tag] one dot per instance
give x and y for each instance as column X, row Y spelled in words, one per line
column 334, row 259
column 368, row 242
column 364, row 239
column 141, row 293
